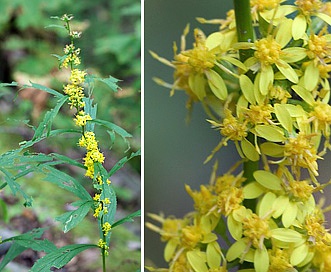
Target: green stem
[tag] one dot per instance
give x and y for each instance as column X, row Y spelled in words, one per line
column 245, row 33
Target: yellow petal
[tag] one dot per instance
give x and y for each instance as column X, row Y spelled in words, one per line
column 249, row 150
column 170, row 249
column 283, row 116
column 288, row 71
column 197, row 83
column 284, row 34
column 290, row 214
column 234, row 227
column 217, row 84
column 287, row 235
column 294, row 54
column 197, row 261
column 304, row 94
column 247, row 88
column 266, row 79
column 326, row 18
column 279, row 206
column 253, row 190
column 266, row 203
column 299, row 254
column 236, row 250
column 272, row 149
column 213, row 252
column 268, row 180
column 311, row 77
column 299, row 26
column 270, row 132
column 261, row 260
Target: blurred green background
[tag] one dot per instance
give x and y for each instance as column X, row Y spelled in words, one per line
column 110, row 45
column 174, row 151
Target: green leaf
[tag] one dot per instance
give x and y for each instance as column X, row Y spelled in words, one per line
column 73, row 218
column 59, row 257
column 15, row 187
column 128, row 218
column 46, row 125
column 120, row 131
column 44, row 88
column 111, row 82
column 268, row 180
column 12, row 253
column 64, row 181
column 121, row 163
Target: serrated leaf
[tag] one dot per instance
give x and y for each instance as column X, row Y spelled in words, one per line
column 12, row 253
column 15, row 187
column 64, row 181
column 73, row 218
column 268, row 180
column 59, row 257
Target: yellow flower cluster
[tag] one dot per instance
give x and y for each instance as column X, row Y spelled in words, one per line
column 276, row 110
column 75, row 91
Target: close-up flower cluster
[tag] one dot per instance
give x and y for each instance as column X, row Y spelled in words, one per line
column 265, row 87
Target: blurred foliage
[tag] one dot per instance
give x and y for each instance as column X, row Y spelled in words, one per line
column 110, row 46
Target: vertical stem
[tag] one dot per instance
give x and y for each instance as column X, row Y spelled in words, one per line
column 245, row 33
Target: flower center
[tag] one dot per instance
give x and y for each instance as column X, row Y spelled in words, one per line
column 268, row 51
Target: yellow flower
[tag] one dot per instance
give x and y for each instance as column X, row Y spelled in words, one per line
column 230, row 200
column 88, row 140
column 204, row 200
column 82, row 118
column 279, row 260
column 301, row 153
column 77, row 76
column 72, row 56
column 76, row 95
column 259, row 114
column 106, row 227
column 321, row 117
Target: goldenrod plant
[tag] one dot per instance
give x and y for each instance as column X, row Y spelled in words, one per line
column 16, row 164
column 263, row 80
